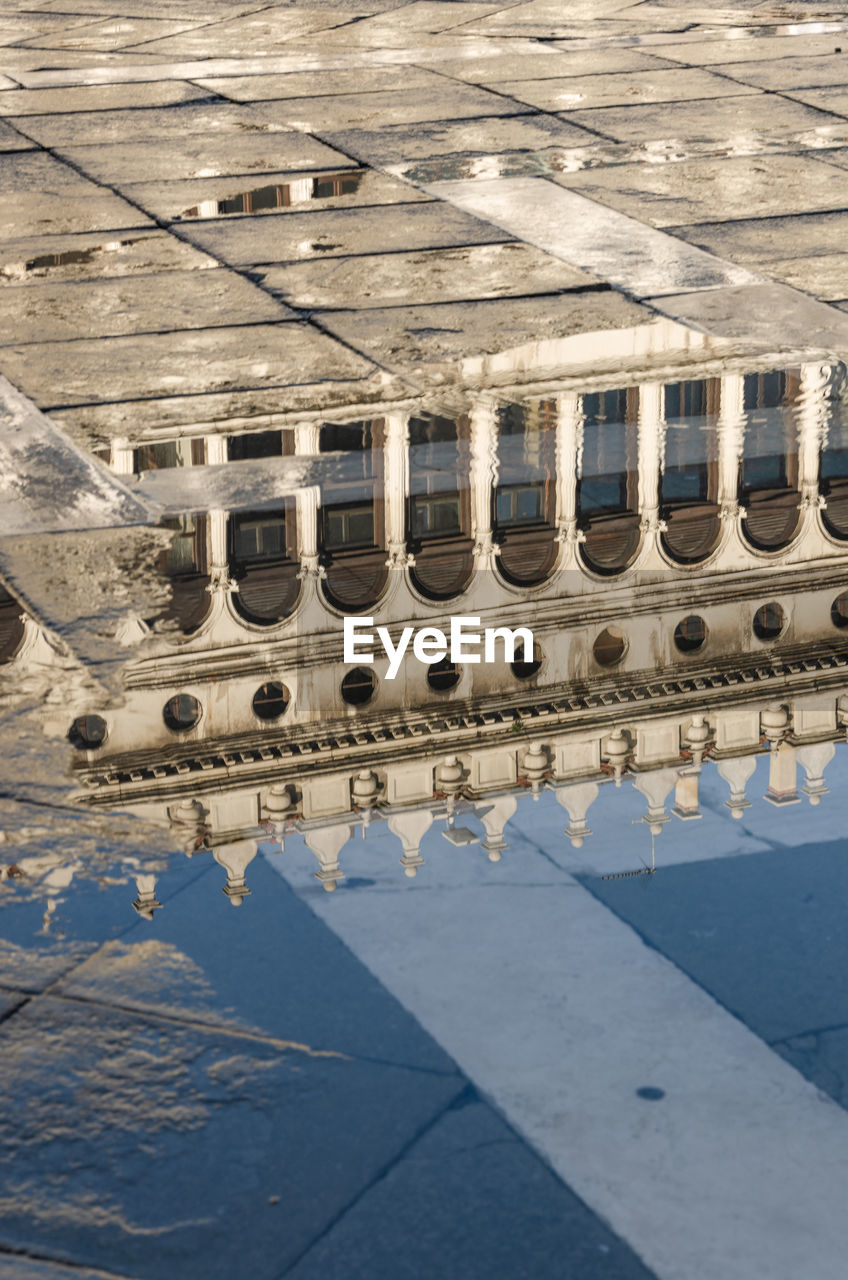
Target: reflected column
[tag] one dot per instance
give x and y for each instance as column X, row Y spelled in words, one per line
column 484, row 478
column 569, row 450
column 307, row 442
column 812, row 432
column 651, row 446
column 396, row 489
column 731, row 439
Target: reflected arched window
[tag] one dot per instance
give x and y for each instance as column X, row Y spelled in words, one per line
column 439, row 506
column 264, row 560
column 11, row 626
column 689, row 482
column 833, row 478
column 608, row 487
column 525, row 497
column 352, row 540
column 770, row 459
column 185, row 565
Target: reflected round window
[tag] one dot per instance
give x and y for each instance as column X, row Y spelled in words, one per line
column 442, row 675
column 87, row 733
column 524, row 670
column 769, row 621
column 181, row 712
column 839, row 610
column 690, row 633
column 270, row 700
column 357, row 686
column 609, row 646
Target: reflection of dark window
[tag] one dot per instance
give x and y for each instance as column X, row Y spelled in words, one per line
column 686, row 483
column 691, row 399
column 603, row 493
column 349, row 526
column 258, row 537
column 258, row 444
column 435, row 516
column 764, row 390
column 351, row 438
column 520, row 504
column 834, row 464
column 767, row 472
column 324, row 188
column 186, row 552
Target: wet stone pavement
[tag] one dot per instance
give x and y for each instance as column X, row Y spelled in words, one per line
column 531, row 315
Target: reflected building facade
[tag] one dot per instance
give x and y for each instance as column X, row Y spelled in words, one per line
column 675, row 535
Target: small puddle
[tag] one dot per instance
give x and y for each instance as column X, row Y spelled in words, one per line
column 282, row 195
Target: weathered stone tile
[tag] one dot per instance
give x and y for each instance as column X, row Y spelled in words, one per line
column 763, row 240
column 97, row 1097
column 701, row 190
column 703, row 52
column 489, row 136
column 426, row 276
column 624, row 89
column 111, row 33
column 260, row 33
column 307, row 84
column 200, row 119
column 204, row 157
column 825, row 277
column 192, row 362
column 55, row 312
column 104, row 97
column 543, row 62
column 91, row 255
column 409, row 339
column 12, row 140
column 702, row 119
column 384, row 109
column 299, row 236
column 56, row 212
column 833, row 99
column 789, row 73
column 772, row 314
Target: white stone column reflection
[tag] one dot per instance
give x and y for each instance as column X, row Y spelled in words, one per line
column 812, row 431
column 814, row 760
column 484, row 477
column 737, row 773
column 410, row 828
column 576, row 798
column 651, row 436
column 307, row 443
column 569, row 450
column 396, row 489
column 731, row 441
column 498, row 813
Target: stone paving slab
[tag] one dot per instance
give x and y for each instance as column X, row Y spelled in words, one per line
column 571, row 93
column 93, row 255
column 704, row 51
column 790, row 73
column 714, row 119
column 424, row 276
column 135, row 124
column 97, row 1097
column 544, row 62
column 202, row 361
column 339, row 233
column 771, row 314
column 469, row 1200
column 107, row 97
column 204, row 157
column 381, row 109
column 408, row 339
column 258, row 88
column 398, row 143
column 55, row 312
column 110, row 33
column 705, row 190
column 761, row 240
column 267, row 31
column 11, row 139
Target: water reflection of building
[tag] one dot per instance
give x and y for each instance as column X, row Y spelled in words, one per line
column 677, row 544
